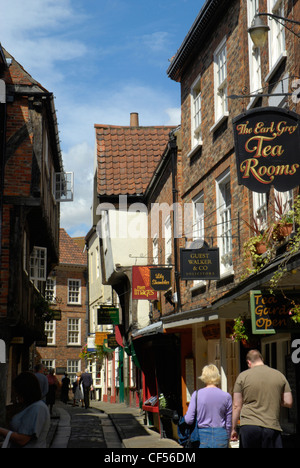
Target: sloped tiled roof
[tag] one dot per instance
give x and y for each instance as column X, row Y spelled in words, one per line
column 69, row 251
column 17, row 75
column 128, row 156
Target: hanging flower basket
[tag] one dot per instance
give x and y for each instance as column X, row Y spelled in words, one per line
column 260, row 247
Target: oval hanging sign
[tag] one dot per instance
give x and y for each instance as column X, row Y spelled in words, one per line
column 267, row 146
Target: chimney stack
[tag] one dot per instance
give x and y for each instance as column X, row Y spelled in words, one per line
column 134, row 119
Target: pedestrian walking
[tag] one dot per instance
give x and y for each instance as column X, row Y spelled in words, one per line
column 78, row 390
column 29, row 427
column 87, row 383
column 214, row 410
column 258, row 394
column 39, row 371
column 53, row 386
column 65, row 386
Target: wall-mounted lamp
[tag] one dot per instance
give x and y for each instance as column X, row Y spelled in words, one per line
column 259, row 31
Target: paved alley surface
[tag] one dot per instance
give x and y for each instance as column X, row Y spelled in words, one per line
column 104, row 425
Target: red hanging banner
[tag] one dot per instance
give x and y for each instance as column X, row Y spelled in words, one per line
column 141, row 288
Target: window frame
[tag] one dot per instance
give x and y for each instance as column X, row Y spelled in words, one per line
column 254, row 56
column 168, row 240
column 70, row 302
column 224, row 239
column 196, row 114
column 220, row 83
column 74, row 321
column 38, row 264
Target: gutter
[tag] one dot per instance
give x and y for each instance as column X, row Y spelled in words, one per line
column 207, row 14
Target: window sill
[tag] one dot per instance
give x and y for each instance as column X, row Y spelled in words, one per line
column 195, row 149
column 275, row 67
column 219, row 122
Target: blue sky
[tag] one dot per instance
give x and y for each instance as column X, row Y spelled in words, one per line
column 102, row 59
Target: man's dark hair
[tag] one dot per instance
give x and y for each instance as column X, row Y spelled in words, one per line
column 27, row 386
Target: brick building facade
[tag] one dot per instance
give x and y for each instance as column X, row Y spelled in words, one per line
column 29, row 214
column 66, row 292
column 222, row 75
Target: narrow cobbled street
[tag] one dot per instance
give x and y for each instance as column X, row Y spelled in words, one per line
column 103, row 425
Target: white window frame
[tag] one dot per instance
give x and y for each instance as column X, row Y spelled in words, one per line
column 155, row 250
column 287, row 200
column 73, row 366
column 220, row 83
column 254, row 54
column 224, row 224
column 50, row 290
column 260, row 209
column 196, row 117
column 198, row 217
column 63, row 186
column 277, row 49
column 198, row 226
column 38, row 265
column 74, row 332
column 168, row 241
column 71, row 291
column 50, row 332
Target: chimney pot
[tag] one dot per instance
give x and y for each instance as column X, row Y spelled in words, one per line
column 134, row 119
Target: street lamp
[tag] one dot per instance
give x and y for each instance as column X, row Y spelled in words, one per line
column 259, row 31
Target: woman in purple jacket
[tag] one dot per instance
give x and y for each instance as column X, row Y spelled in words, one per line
column 214, row 411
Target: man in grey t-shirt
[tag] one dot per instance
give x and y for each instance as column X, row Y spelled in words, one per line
column 258, row 394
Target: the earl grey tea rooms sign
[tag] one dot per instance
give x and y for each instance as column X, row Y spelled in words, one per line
column 267, row 146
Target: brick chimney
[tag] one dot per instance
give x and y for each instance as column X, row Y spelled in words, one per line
column 134, row 119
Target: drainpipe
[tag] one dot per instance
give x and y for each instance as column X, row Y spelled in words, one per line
column 173, row 150
column 2, row 153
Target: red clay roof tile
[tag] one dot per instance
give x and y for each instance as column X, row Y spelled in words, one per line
column 128, row 156
column 71, row 250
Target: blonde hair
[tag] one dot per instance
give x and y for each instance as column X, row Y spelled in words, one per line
column 210, row 375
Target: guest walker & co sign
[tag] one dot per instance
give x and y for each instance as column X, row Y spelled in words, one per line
column 267, row 145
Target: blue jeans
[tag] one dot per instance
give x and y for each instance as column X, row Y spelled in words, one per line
column 213, row 437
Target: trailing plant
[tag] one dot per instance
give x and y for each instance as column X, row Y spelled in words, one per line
column 293, row 247
column 96, row 355
column 42, row 308
column 295, row 312
column 239, row 330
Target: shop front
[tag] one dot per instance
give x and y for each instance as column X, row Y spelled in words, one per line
column 158, row 354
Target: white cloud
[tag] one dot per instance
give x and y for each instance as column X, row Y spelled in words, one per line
column 50, row 40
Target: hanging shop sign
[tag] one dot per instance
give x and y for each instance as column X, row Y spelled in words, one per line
column 141, row 288
column 271, row 313
column 108, row 315
column 100, row 337
column 267, row 146
column 160, row 279
column 200, row 264
column 111, row 341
